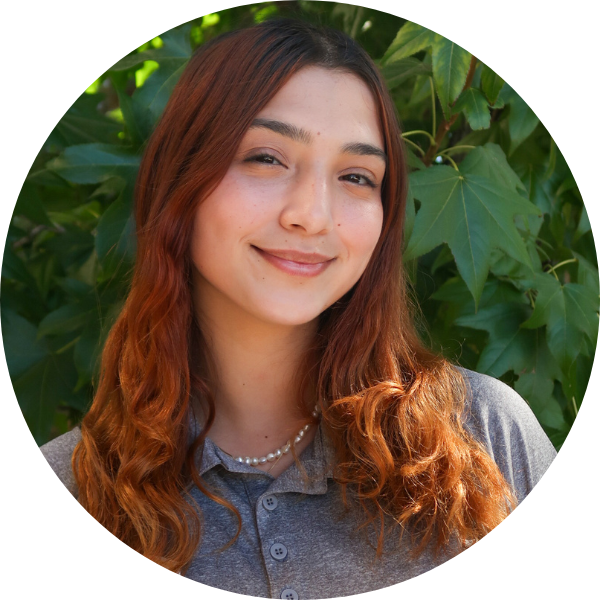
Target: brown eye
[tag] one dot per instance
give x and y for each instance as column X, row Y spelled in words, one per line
column 358, row 179
column 267, row 159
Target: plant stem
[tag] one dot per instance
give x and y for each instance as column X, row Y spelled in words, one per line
column 414, row 146
column 456, row 148
column 450, row 160
column 564, row 262
column 445, row 125
column 417, row 131
column 432, row 108
column 357, row 19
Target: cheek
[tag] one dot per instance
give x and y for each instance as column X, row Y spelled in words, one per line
column 360, row 229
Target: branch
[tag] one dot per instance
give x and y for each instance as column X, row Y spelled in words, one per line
column 446, row 124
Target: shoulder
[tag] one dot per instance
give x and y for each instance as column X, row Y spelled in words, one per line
column 503, row 422
column 58, row 453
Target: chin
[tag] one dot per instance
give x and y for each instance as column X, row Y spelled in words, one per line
column 290, row 315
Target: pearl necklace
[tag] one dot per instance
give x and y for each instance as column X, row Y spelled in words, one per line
column 277, row 454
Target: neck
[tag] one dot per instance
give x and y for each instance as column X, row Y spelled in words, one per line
column 256, row 364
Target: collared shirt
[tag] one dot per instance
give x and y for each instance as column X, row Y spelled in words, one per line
column 298, row 540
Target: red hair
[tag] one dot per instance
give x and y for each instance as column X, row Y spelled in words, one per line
column 391, row 408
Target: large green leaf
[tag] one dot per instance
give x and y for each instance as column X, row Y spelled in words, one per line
column 450, row 68
column 509, row 347
column 66, row 319
column 41, row 389
column 399, row 71
column 155, row 93
column 587, row 273
column 490, row 161
column 472, row 215
column 475, row 108
column 175, row 50
column 115, row 243
column 29, row 204
column 536, row 187
column 83, row 124
column 538, row 393
column 521, row 121
column 23, row 348
column 523, row 351
column 410, row 39
column 570, row 313
column 491, row 84
column 95, row 163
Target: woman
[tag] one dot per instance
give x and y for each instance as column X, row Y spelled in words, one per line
column 267, row 420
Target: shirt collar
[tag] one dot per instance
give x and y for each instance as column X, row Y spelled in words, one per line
column 310, row 478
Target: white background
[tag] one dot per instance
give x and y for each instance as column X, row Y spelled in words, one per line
column 51, row 52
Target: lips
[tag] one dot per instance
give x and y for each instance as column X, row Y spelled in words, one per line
column 294, row 262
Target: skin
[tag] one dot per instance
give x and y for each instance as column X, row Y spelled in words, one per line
column 306, row 178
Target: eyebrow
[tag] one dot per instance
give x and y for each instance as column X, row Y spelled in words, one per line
column 301, row 135
column 286, row 129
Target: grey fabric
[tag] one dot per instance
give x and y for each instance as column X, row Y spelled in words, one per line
column 308, row 545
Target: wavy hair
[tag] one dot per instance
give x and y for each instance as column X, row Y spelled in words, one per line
column 392, row 409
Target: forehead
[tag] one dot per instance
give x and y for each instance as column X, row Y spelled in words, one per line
column 327, row 101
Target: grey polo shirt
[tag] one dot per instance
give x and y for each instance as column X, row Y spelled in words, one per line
column 298, row 540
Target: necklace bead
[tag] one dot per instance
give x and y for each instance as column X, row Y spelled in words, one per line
column 276, row 454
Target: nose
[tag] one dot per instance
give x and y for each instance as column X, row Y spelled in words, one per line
column 308, row 204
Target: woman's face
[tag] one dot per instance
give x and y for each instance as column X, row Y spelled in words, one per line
column 292, row 225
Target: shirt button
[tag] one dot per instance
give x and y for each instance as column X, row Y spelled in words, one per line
column 270, row 502
column 278, row 551
column 289, row 594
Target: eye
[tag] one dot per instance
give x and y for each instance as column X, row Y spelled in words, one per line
column 358, row 179
column 264, row 158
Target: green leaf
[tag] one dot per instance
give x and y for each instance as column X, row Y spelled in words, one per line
column 155, row 93
column 472, row 215
column 587, row 273
column 399, row 71
column 475, row 108
column 95, row 163
column 570, row 312
column 455, row 290
column 410, row 39
column 536, row 187
column 29, row 204
column 509, row 347
column 115, row 243
column 583, row 226
column 139, row 121
column 521, row 121
column 174, row 52
column 83, row 123
column 523, row 351
column 506, row 266
column 450, row 68
column 41, row 389
column 538, row 393
column 65, row 319
column 22, row 347
column 491, row 84
column 409, row 218
column 490, row 161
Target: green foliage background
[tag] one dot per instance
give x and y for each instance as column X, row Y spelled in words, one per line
column 499, row 246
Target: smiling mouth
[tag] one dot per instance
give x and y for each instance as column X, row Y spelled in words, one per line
column 293, row 262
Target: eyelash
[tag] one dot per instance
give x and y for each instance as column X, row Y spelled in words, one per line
column 260, row 158
column 368, row 181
